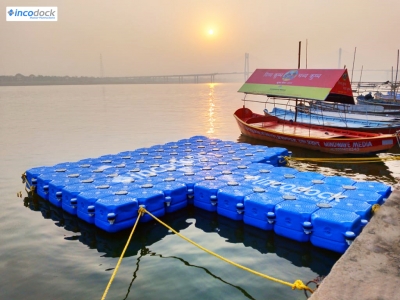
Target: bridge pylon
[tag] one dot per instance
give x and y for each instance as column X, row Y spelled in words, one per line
column 246, row 66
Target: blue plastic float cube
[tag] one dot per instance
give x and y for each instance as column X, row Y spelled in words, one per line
column 363, row 209
column 33, row 173
column 56, row 186
column 368, row 196
column 260, row 208
column 175, row 194
column 116, row 212
column 43, row 180
column 208, row 172
column 290, row 218
column 69, row 200
column 85, row 208
column 189, row 180
column 69, row 195
column 282, row 171
column 294, row 185
column 335, row 229
column 151, row 198
column 261, row 167
column 377, row 187
column 205, row 193
column 320, row 192
column 87, row 199
column 230, row 200
column 309, row 175
column 267, row 182
column 244, row 170
column 231, row 177
column 338, row 180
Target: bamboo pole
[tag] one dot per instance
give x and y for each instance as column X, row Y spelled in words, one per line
column 298, row 64
column 306, row 52
column 354, row 59
column 395, row 82
column 359, row 83
column 298, row 67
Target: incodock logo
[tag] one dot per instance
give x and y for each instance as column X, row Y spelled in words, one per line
column 24, row 13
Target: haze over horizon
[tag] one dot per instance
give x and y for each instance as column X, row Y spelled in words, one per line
column 159, row 37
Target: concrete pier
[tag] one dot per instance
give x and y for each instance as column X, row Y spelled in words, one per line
column 370, row 268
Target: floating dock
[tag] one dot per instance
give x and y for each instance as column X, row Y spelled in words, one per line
column 243, row 182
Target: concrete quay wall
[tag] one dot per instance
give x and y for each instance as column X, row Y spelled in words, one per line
column 370, row 268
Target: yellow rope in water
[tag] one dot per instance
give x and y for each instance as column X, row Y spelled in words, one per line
column 141, row 211
column 298, row 284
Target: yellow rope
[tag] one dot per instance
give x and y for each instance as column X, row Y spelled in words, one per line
column 23, row 177
column 353, row 160
column 298, row 284
column 31, row 188
column 375, row 208
column 141, row 211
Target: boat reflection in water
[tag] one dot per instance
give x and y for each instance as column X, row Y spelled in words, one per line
column 385, row 172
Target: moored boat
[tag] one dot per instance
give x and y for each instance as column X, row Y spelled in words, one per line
column 337, row 120
column 386, row 103
column 305, row 85
column 357, row 111
column 314, row 137
column 367, row 117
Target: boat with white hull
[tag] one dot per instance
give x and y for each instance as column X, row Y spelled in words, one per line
column 334, row 121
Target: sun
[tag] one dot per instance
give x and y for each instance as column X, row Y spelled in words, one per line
column 211, row 32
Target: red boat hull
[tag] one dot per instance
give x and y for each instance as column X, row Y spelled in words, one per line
column 320, row 138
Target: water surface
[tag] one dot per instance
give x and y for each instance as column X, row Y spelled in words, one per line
column 47, row 254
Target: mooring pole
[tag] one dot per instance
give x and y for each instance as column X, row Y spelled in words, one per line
column 298, row 67
column 306, row 52
column 298, row 64
column 359, row 83
column 354, row 59
column 395, row 82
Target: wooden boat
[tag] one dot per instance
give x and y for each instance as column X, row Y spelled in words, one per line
column 390, row 104
column 306, row 84
column 334, row 119
column 367, row 117
column 314, row 137
column 363, row 111
column 387, row 96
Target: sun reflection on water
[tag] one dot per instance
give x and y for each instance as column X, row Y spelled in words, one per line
column 211, row 106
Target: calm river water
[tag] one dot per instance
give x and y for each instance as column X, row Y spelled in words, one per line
column 47, row 254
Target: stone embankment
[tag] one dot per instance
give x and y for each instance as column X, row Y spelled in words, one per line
column 370, row 268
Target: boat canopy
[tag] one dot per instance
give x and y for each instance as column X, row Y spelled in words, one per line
column 331, row 85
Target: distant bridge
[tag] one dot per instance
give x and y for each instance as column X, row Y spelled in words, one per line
column 186, row 78
column 19, row 79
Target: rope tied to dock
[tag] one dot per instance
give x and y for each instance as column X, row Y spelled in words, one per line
column 298, row 284
column 28, row 188
column 375, row 208
column 141, row 211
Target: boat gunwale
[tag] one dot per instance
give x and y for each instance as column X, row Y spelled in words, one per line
column 335, row 122
column 359, row 136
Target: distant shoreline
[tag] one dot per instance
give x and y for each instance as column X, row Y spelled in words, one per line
column 104, row 83
column 33, row 80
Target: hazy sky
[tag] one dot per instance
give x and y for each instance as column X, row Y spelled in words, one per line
column 166, row 37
